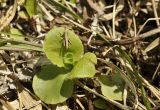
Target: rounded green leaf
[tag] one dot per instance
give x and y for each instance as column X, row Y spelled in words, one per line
column 61, row 44
column 100, row 103
column 50, row 84
column 91, row 57
column 17, row 34
column 112, row 86
column 31, row 6
column 85, row 67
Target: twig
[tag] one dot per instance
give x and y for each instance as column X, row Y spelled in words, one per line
column 94, row 6
column 156, row 71
column 80, row 104
column 7, row 104
column 50, row 17
column 155, row 12
column 138, row 38
column 105, row 30
column 10, row 47
column 149, row 33
column 124, row 41
column 150, row 19
column 103, row 97
column 21, row 42
column 89, row 41
column 135, row 28
column 14, row 49
column 9, row 16
column 77, row 24
column 150, row 87
column 109, row 16
column 56, row 11
column 113, row 20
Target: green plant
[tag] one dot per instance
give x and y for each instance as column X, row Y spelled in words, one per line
column 54, row 82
